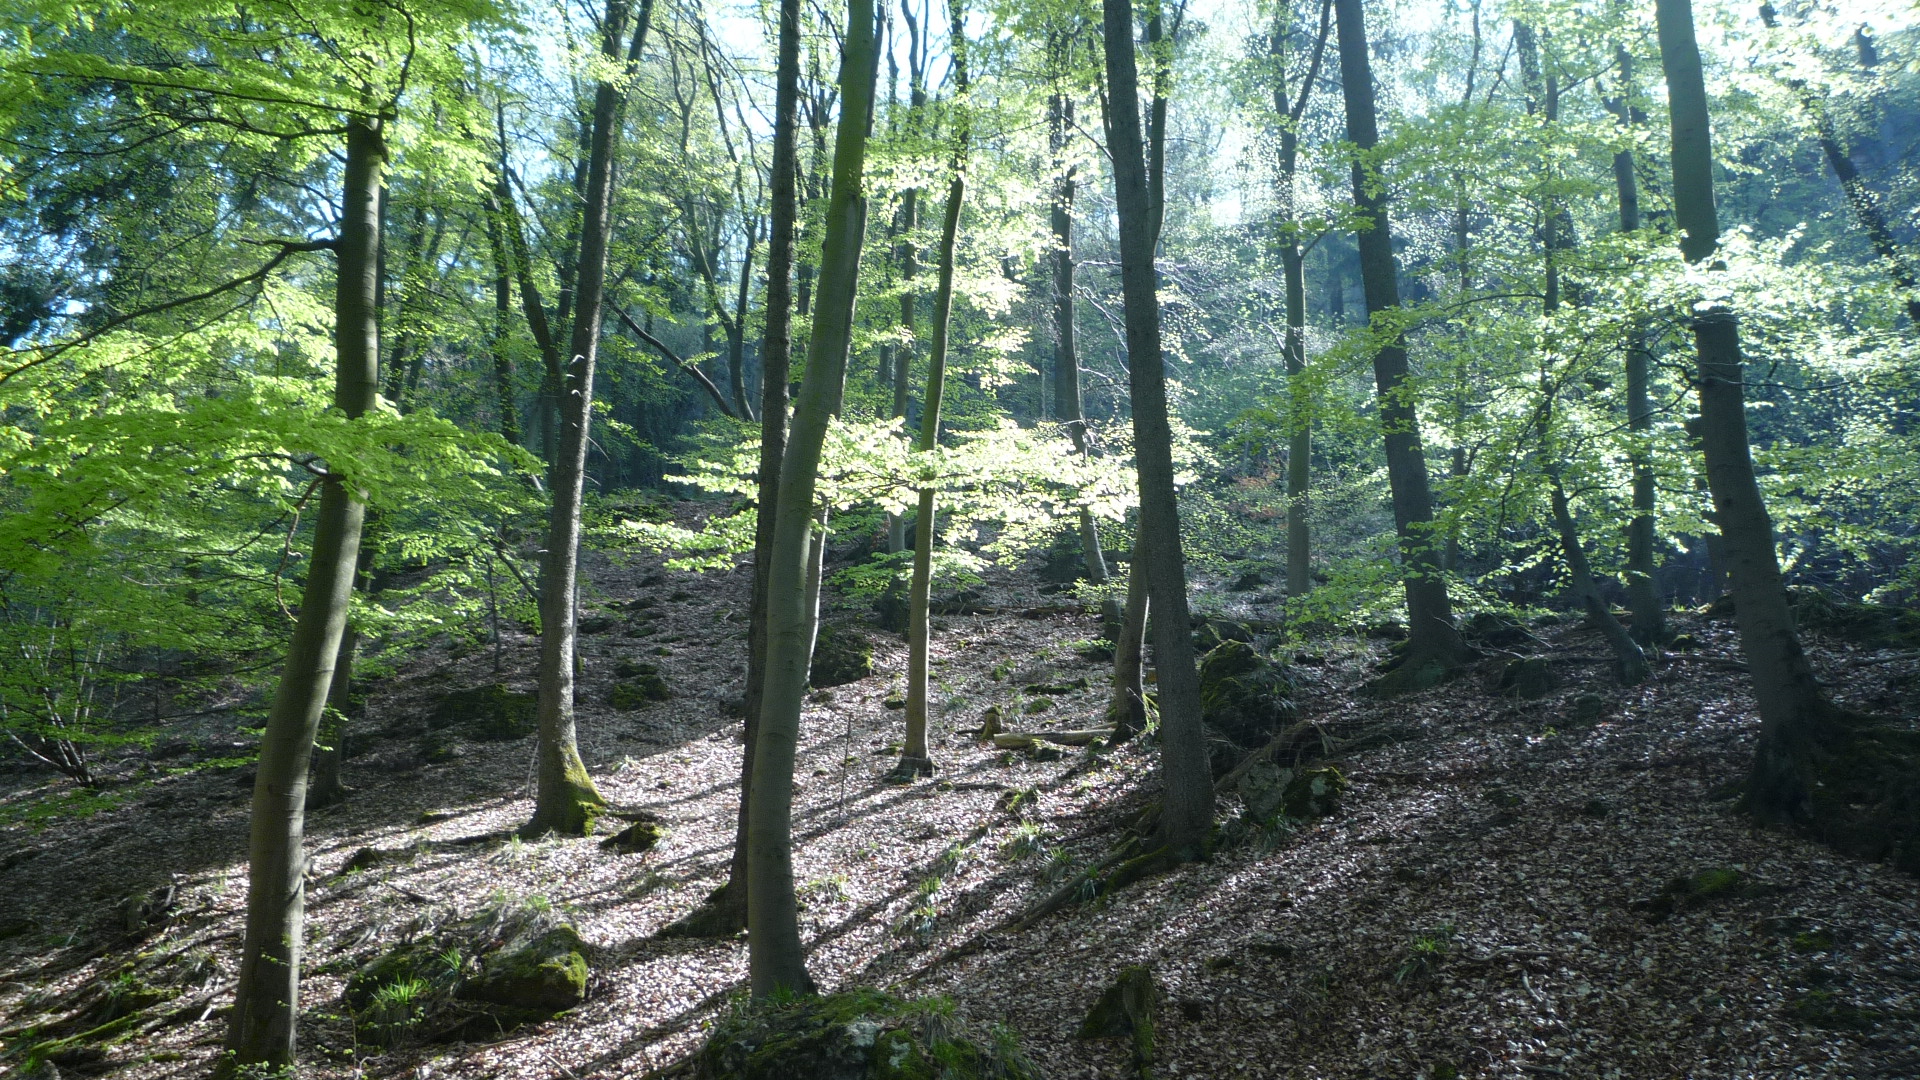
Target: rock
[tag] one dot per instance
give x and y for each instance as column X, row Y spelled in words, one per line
column 596, row 624
column 1698, row 890
column 1267, row 791
column 1588, row 708
column 841, row 655
column 1243, row 695
column 890, row 608
column 1248, row 581
column 1490, row 628
column 641, row 685
column 1210, row 632
column 1528, row 677
column 490, row 713
column 1126, row 1009
column 637, row 838
column 1595, row 808
column 855, row 1035
column 536, row 977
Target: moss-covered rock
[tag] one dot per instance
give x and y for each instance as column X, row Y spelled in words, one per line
column 856, row 1035
column 535, row 977
column 1700, row 889
column 1528, row 677
column 1243, row 695
column 490, row 713
column 1499, row 631
column 641, row 836
column 841, row 655
column 1267, row 791
column 1127, row 1010
column 640, row 685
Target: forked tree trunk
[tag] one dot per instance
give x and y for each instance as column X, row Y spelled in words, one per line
column 915, row 758
column 261, row 1028
column 725, row 913
column 1795, row 716
column 1186, row 817
column 776, row 957
column 1434, row 646
column 565, row 798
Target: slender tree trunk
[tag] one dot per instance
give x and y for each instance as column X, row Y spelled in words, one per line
column 1186, row 817
column 1434, row 646
column 497, row 342
column 565, row 799
column 1127, row 709
column 326, row 786
column 1643, row 591
column 726, row 912
column 1795, row 715
column 908, row 255
column 261, row 1027
column 915, row 758
column 776, row 957
column 1067, row 407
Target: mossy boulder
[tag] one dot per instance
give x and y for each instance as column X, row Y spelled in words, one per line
column 640, row 837
column 538, row 976
column 856, row 1035
column 1268, row 790
column 1127, row 1010
column 640, row 685
column 1243, row 695
column 1499, row 631
column 841, row 655
column 1209, row 632
column 1528, row 677
column 1701, row 889
column 492, row 713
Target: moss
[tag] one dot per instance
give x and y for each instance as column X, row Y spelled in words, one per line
column 1528, row 677
column 1127, row 1009
column 640, row 685
column 1826, row 1009
column 1243, row 695
column 87, row 1047
column 840, row 655
column 486, row 713
column 859, row 1034
column 540, row 977
column 641, row 836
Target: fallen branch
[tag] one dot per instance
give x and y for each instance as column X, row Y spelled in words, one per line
column 1027, row 740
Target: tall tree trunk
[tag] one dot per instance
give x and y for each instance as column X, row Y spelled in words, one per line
column 1643, row 591
column 565, row 799
column 1186, row 817
column 497, row 341
column 776, row 958
column 1434, row 646
column 1795, row 715
column 1293, row 271
column 908, row 253
column 1127, row 708
column 1543, row 96
column 915, row 758
column 725, row 912
column 1067, row 407
column 261, row 1027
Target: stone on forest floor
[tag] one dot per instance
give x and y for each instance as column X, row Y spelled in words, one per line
column 1528, row 677
column 490, row 713
column 1491, row 628
column 1267, row 790
column 510, row 964
column 840, row 655
column 1126, row 1009
column 641, row 684
column 1700, row 889
column 1243, row 695
column 641, row 836
column 857, row 1035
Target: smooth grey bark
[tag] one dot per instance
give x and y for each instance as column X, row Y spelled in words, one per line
column 261, row 1029
column 565, row 798
column 776, row 958
column 1795, row 715
column 1127, row 707
column 915, row 758
column 1434, row 646
column 725, row 912
column 908, row 254
column 1186, row 813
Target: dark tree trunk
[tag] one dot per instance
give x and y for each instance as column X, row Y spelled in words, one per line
column 1186, row 817
column 1434, row 646
column 1795, row 716
column 1643, row 591
column 565, row 799
column 776, row 958
column 261, row 1027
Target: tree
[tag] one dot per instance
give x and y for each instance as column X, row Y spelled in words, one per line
column 565, row 799
column 915, row 759
column 1186, row 815
column 776, row 959
column 1434, row 646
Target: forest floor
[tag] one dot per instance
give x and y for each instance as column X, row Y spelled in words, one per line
column 1474, row 909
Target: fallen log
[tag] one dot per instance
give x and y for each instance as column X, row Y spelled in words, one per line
column 1026, row 740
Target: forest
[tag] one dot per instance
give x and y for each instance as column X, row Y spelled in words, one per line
column 912, row 539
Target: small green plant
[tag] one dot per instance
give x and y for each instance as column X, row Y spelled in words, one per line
column 1425, row 953
column 1028, row 840
column 1059, row 866
column 826, row 890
